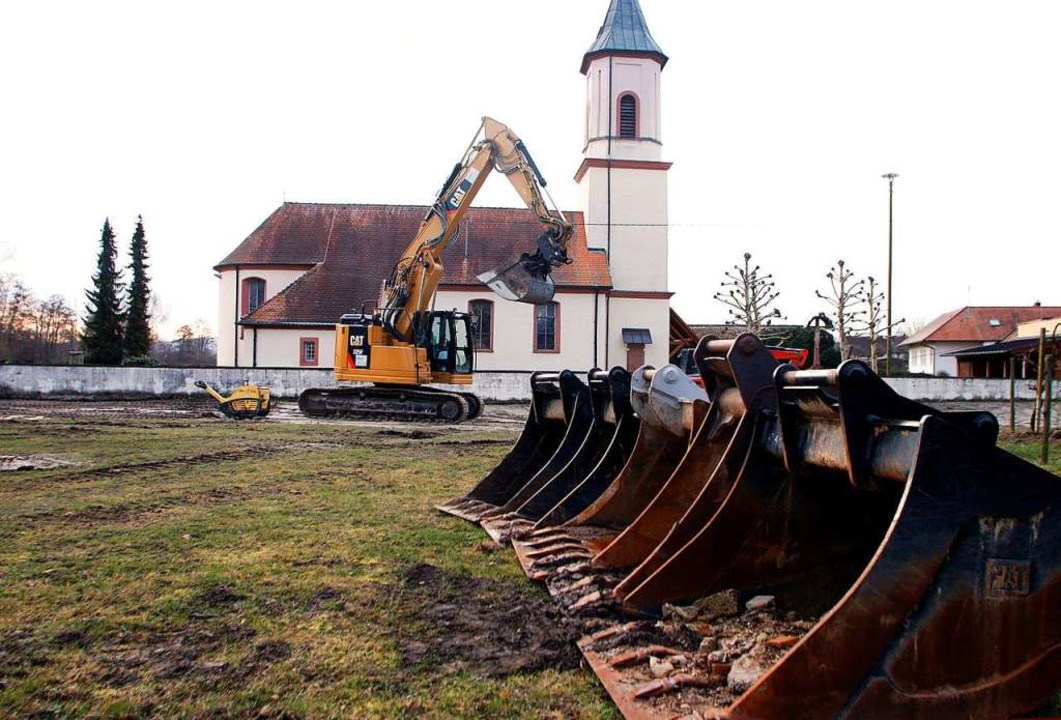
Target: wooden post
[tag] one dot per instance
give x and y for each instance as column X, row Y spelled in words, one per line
column 1013, row 394
column 1044, row 455
column 1039, row 378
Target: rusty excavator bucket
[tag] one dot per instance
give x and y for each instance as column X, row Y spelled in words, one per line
column 816, row 545
column 849, row 554
column 576, row 438
column 588, row 438
column 558, row 400
column 512, row 281
column 663, row 400
column 674, row 500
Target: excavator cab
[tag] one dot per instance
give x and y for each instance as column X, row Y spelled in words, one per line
column 447, row 337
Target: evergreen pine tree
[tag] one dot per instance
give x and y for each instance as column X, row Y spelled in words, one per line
column 102, row 338
column 137, row 340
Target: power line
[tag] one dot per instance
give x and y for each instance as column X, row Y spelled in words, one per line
column 586, row 224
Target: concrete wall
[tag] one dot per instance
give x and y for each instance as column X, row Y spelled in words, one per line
column 288, row 382
column 283, row 382
column 944, row 389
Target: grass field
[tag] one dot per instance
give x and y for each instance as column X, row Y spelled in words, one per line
column 200, row 568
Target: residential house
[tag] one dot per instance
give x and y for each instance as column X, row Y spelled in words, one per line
column 1020, row 351
column 933, row 349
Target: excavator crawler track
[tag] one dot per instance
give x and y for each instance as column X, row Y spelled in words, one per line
column 391, row 403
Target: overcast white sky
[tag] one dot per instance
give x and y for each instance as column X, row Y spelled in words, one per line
column 780, row 118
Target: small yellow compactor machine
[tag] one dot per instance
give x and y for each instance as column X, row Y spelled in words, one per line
column 246, row 401
column 404, row 346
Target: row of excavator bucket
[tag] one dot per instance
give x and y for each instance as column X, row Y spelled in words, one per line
column 783, row 543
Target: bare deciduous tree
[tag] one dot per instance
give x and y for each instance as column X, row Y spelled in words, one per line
column 54, row 329
column 843, row 297
column 749, row 296
column 32, row 330
column 875, row 322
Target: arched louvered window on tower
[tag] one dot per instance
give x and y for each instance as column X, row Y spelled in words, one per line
column 628, row 116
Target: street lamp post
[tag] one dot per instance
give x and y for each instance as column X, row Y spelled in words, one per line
column 890, row 177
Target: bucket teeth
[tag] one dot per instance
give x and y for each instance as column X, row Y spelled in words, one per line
column 535, row 540
column 550, row 550
column 667, row 685
column 595, row 599
column 636, row 657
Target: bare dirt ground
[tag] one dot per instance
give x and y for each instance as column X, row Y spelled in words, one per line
column 494, row 417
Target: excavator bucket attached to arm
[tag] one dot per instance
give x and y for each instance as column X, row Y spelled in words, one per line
column 512, row 281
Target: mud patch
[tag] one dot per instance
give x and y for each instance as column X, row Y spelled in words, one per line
column 481, row 625
column 325, row 599
column 20, row 652
column 415, row 434
column 169, row 656
column 15, row 463
column 215, row 597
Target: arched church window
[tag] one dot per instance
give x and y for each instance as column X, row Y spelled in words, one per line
column 628, row 116
column 252, row 295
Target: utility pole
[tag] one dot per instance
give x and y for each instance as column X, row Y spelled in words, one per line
column 890, row 177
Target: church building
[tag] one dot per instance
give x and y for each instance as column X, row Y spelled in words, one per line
column 285, row 286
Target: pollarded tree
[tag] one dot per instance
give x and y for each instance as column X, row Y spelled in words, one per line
column 844, row 297
column 749, row 296
column 102, row 336
column 875, row 321
column 137, row 340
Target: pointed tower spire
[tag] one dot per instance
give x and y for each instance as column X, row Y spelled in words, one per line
column 623, row 183
column 624, row 31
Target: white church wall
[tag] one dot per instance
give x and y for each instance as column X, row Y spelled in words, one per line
column 639, row 76
column 282, row 347
column 229, row 296
column 513, row 332
column 638, row 243
column 650, row 313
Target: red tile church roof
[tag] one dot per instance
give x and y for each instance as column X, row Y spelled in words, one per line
column 351, row 249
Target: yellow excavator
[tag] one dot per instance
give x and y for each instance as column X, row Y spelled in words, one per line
column 405, row 345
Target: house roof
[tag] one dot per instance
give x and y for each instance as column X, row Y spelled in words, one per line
column 859, row 345
column 979, row 324
column 351, row 249
column 1010, row 347
column 624, row 31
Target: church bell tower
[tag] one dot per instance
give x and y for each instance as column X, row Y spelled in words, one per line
column 623, row 178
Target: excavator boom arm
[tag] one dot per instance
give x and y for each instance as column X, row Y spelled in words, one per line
column 412, row 286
